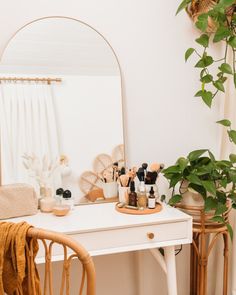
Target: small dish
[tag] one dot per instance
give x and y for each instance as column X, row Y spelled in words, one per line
column 61, row 210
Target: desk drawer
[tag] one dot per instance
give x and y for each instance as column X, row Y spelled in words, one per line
column 126, row 239
column 132, row 236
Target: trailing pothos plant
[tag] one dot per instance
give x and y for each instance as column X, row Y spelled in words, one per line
column 223, row 17
column 214, row 180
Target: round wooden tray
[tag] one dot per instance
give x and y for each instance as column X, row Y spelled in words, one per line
column 140, row 212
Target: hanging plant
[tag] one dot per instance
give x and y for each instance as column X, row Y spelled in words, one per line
column 216, row 21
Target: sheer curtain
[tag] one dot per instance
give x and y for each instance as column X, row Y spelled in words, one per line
column 28, row 125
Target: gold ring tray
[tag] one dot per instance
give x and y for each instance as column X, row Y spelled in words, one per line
column 157, row 209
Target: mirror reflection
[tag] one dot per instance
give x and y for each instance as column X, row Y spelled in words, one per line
column 61, row 110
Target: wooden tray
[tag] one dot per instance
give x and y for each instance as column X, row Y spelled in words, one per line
column 140, row 212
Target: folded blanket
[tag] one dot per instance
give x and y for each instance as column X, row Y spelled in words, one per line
column 18, row 272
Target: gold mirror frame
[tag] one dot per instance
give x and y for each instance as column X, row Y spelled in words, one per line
column 118, row 63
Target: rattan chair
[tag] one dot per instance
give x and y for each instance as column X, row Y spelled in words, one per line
column 49, row 239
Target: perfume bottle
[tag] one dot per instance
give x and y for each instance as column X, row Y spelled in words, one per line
column 151, row 199
column 142, row 198
column 132, row 195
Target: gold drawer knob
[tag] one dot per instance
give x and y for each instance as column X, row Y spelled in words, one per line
column 150, row 236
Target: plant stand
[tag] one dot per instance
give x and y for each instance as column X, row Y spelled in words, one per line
column 201, row 248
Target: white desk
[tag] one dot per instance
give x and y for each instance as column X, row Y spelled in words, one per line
column 102, row 230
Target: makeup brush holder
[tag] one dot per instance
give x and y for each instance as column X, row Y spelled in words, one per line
column 110, row 189
column 123, row 194
column 155, row 188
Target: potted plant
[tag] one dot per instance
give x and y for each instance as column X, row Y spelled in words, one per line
column 201, row 180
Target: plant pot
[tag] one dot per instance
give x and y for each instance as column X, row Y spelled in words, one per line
column 192, row 203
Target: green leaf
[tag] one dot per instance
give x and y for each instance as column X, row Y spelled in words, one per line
column 219, row 85
column 188, row 53
column 232, row 135
column 204, row 62
column 232, row 41
column 207, row 97
column 202, row 22
column 199, row 93
column 226, row 3
column 208, row 60
column 211, row 155
column 232, row 158
column 226, row 68
column 175, row 199
column 209, row 186
column 194, row 155
column 224, row 122
column 207, row 78
column 210, row 203
column 175, row 179
column 200, row 64
column 230, row 230
column 172, row 169
column 194, row 179
column 219, row 219
column 221, row 33
column 203, row 40
column 221, row 208
column 198, row 188
column 223, row 182
column 235, row 80
column 182, row 163
column 182, row 5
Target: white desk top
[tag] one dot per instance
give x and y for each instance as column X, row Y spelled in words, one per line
column 90, row 218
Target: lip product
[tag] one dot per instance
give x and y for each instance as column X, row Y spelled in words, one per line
column 142, row 198
column 151, row 199
column 132, row 195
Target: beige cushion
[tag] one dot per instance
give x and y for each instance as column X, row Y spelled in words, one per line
column 17, row 200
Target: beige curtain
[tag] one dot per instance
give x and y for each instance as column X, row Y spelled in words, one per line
column 215, row 267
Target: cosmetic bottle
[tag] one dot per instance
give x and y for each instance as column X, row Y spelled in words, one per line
column 151, row 199
column 47, row 202
column 59, row 196
column 132, row 195
column 142, row 198
column 67, row 199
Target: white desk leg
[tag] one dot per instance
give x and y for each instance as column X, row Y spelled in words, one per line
column 171, row 270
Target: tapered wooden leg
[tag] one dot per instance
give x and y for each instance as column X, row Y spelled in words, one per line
column 194, row 265
column 226, row 258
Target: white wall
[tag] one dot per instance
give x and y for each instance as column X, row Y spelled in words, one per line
column 162, row 118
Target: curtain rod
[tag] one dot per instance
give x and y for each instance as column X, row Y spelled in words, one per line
column 48, row 80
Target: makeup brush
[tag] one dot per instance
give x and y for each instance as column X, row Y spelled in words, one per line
column 144, row 166
column 122, row 171
column 140, row 174
column 155, row 167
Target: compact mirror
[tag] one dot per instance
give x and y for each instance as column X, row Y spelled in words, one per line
column 61, row 109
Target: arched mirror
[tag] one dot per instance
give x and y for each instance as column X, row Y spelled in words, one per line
column 61, row 109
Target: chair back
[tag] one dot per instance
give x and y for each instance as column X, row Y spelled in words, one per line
column 49, row 240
